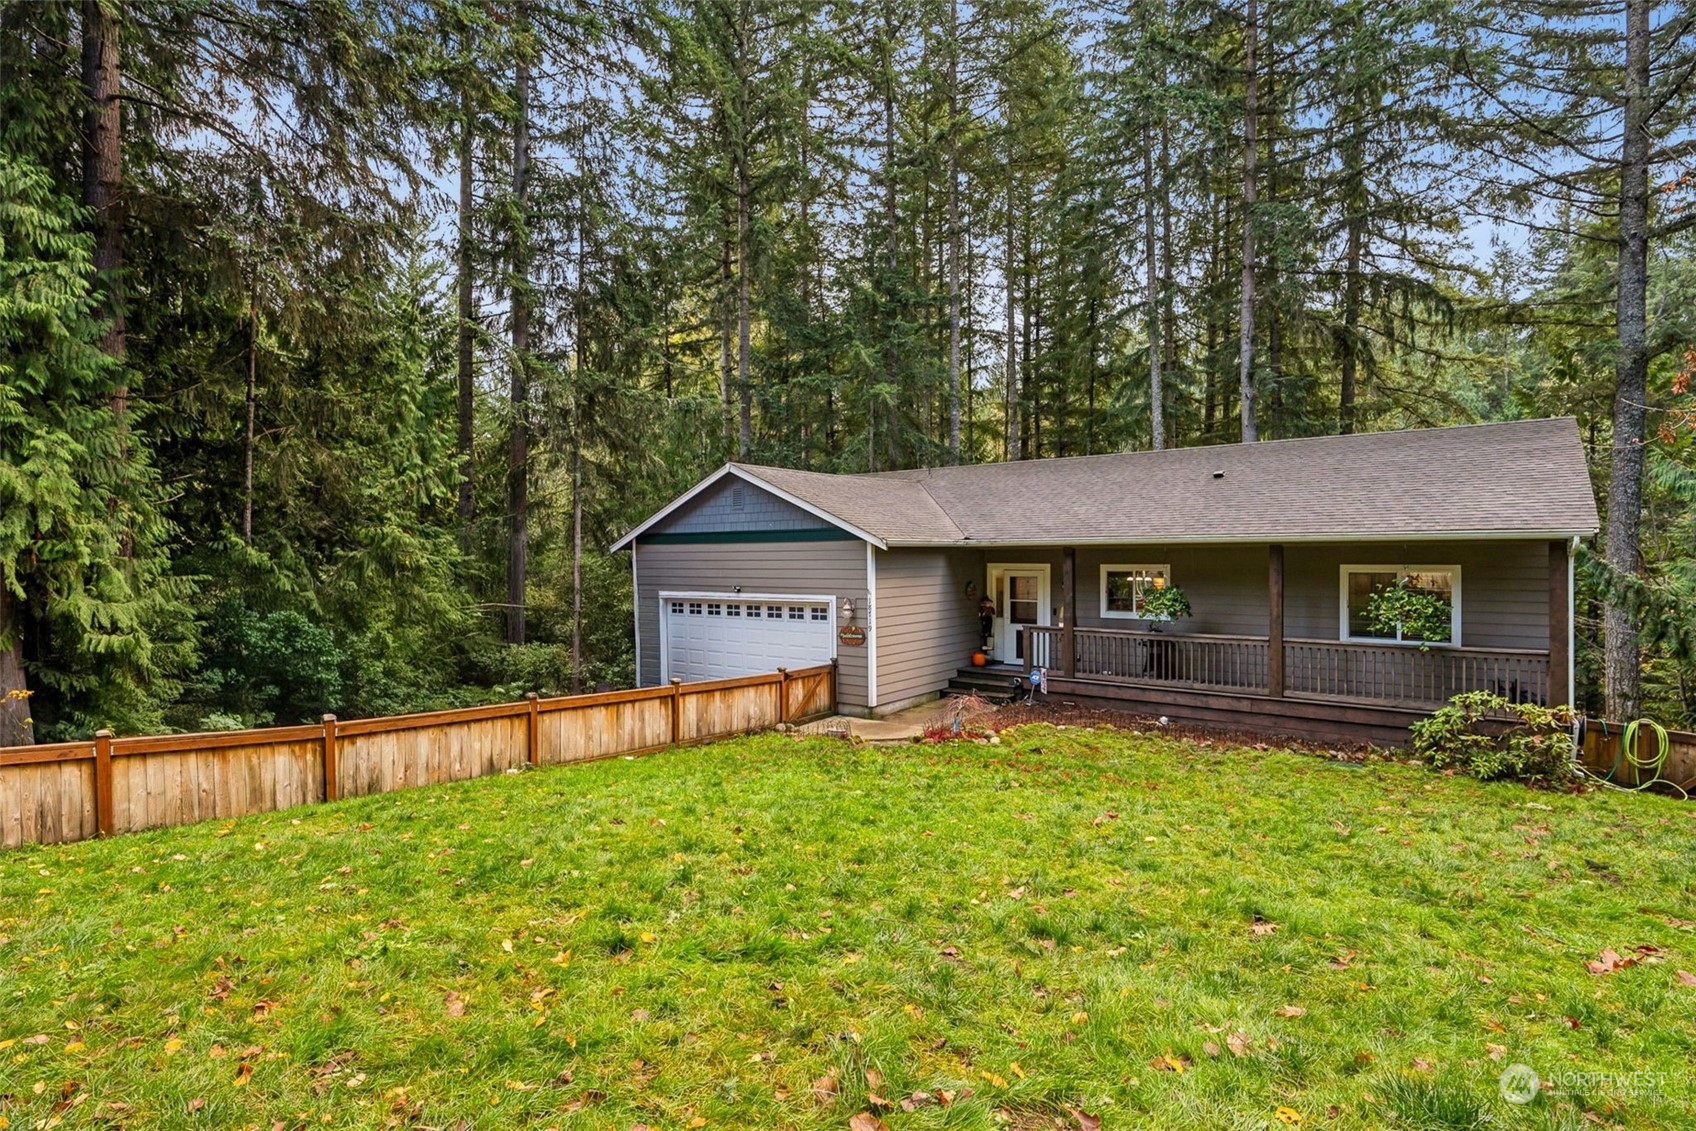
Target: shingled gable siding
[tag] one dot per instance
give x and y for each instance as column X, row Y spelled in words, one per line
column 714, row 511
column 927, row 625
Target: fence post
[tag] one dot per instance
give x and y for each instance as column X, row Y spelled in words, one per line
column 782, row 695
column 103, row 809
column 833, row 670
column 534, row 733
column 332, row 787
column 676, row 711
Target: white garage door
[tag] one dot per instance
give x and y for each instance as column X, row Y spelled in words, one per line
column 715, row 636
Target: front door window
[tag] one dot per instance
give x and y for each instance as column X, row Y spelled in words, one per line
column 1020, row 602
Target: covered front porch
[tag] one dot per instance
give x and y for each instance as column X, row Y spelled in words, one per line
column 1299, row 684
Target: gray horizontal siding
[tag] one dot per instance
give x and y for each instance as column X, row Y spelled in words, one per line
column 927, row 626
column 1504, row 585
column 716, row 511
column 835, row 569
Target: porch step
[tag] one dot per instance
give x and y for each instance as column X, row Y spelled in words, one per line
column 997, row 684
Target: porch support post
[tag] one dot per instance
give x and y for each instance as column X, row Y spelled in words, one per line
column 1069, row 610
column 1275, row 621
column 1560, row 627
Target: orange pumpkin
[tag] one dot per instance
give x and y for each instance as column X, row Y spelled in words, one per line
column 979, row 659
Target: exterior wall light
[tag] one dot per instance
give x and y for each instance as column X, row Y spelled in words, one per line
column 846, row 610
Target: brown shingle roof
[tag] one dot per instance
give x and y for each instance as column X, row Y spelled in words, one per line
column 1518, row 478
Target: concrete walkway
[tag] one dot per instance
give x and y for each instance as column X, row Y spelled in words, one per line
column 903, row 726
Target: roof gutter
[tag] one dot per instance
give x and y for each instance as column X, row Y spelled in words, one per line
column 1254, row 539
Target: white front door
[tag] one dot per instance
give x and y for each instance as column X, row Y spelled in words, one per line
column 1021, row 599
column 717, row 635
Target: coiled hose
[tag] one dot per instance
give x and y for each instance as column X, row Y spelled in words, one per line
column 1648, row 767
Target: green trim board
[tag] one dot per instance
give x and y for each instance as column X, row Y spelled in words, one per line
column 822, row 534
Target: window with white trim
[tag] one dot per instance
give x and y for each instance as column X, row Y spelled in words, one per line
column 677, row 608
column 694, row 608
column 714, row 609
column 1123, row 588
column 733, row 610
column 819, row 612
column 1361, row 582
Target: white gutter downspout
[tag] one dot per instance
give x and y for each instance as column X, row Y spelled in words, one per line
column 1572, row 624
column 871, row 626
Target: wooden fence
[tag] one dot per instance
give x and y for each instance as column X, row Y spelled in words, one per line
column 51, row 794
column 1602, row 754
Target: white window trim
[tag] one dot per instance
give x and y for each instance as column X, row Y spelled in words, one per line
column 668, row 595
column 1453, row 571
column 1121, row 567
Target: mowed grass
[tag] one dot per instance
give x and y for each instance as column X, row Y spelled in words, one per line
column 695, row 938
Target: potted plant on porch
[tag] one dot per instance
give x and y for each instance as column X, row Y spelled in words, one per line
column 1163, row 603
column 1407, row 612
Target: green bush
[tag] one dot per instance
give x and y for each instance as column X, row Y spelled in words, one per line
column 1532, row 743
column 262, row 668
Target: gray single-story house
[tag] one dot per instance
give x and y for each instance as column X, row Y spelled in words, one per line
column 1278, row 547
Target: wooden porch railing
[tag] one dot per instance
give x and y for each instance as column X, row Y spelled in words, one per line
column 1214, row 663
column 1339, row 671
column 1398, row 674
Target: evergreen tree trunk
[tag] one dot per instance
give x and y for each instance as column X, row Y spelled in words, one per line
column 16, row 727
column 1350, row 360
column 1245, row 345
column 518, row 452
column 467, row 335
column 1156, row 385
column 1623, row 674
column 726, row 328
column 252, row 405
column 954, row 234
column 1009, row 274
column 744, row 327
column 102, row 168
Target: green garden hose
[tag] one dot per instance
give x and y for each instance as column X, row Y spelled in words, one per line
column 1648, row 768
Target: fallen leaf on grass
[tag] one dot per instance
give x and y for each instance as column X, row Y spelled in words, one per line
column 1687, row 977
column 1609, row 961
column 244, row 1073
column 1496, row 1051
column 866, row 1121
column 1288, row 1116
column 1086, row 1121
column 640, row 1015
column 1423, row 1065
column 1262, row 927
column 197, row 1103
column 1166, row 1062
column 824, row 1088
column 1237, row 1043
column 1290, row 1011
column 1211, row 1048
column 455, row 1004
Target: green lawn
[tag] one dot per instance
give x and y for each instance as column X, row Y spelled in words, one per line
column 695, row 938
